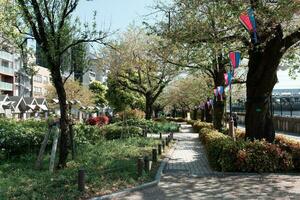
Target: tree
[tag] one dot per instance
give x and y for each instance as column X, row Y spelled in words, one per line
column 121, row 98
column 277, row 30
column 277, row 34
column 203, row 32
column 74, row 91
column 186, row 93
column 51, row 26
column 136, row 67
column 99, row 91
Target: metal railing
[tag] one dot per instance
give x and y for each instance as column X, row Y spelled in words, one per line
column 6, row 70
column 6, row 86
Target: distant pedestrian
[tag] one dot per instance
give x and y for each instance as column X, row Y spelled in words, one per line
column 208, row 110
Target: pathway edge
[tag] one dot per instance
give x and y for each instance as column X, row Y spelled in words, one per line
column 143, row 186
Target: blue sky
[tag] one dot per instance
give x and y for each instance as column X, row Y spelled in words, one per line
column 118, row 14
column 115, row 14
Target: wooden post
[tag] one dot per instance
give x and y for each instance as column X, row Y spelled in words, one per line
column 163, row 145
column 160, row 135
column 54, row 148
column 72, row 140
column 81, row 180
column 159, row 149
column 38, row 163
column 154, row 155
column 146, row 164
column 140, row 167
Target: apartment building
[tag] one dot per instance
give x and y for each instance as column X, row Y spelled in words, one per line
column 41, row 82
column 94, row 73
column 7, row 78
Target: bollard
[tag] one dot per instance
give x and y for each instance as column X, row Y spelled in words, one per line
column 146, row 164
column 81, row 180
column 159, row 149
column 154, row 155
column 160, row 135
column 163, row 145
column 167, row 142
column 231, row 128
column 140, row 167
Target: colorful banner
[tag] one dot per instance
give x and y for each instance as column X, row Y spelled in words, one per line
column 228, row 78
column 235, row 59
column 248, row 21
column 216, row 92
column 252, row 20
column 220, row 91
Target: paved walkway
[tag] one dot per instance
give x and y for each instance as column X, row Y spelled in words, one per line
column 189, row 157
column 188, row 176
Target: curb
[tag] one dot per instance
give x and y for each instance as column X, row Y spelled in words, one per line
column 140, row 187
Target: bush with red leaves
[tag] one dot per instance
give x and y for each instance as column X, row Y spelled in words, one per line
column 100, row 120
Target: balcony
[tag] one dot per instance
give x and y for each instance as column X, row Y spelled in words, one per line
column 6, row 70
column 6, row 86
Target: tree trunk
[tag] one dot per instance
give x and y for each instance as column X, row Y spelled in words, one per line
column 218, row 114
column 219, row 105
column 149, row 107
column 64, row 122
column 31, row 86
column 261, row 78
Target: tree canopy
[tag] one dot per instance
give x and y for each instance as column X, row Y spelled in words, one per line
column 136, row 67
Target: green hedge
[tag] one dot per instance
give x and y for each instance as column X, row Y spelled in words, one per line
column 87, row 134
column 227, row 155
column 21, row 136
column 112, row 132
column 198, row 125
column 151, row 126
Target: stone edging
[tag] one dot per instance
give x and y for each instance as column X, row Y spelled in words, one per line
column 140, row 187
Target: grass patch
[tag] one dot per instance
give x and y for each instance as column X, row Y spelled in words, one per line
column 109, row 165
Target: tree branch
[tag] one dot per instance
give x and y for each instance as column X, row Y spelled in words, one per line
column 291, row 39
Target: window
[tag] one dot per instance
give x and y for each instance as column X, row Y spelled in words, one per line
column 37, row 90
column 92, row 74
column 37, row 78
column 5, row 63
column 45, row 80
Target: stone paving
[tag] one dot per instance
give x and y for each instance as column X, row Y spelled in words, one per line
column 189, row 159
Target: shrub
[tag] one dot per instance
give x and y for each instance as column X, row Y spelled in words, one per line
column 116, row 132
column 103, row 120
column 100, row 120
column 198, row 125
column 92, row 121
column 291, row 146
column 259, row 156
column 213, row 141
column 191, row 122
column 130, row 114
column 151, row 126
column 87, row 134
column 18, row 137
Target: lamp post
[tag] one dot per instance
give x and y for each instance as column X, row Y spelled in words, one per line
column 235, row 59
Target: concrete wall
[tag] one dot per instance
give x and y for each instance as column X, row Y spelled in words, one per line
column 288, row 124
